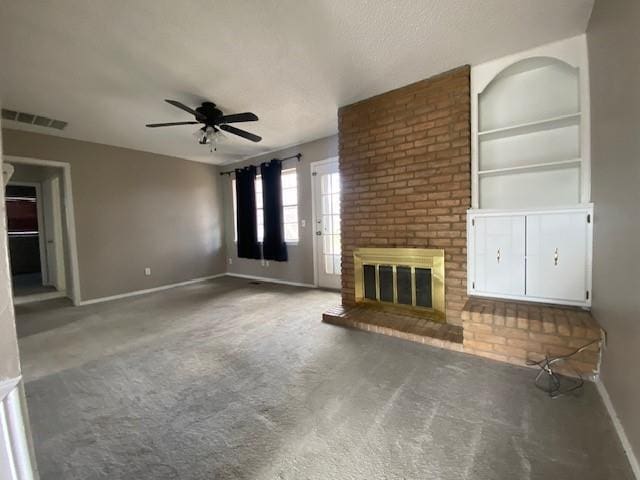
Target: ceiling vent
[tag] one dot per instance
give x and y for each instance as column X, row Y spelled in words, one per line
column 38, row 120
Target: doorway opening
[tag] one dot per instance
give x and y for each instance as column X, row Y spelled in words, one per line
column 41, row 251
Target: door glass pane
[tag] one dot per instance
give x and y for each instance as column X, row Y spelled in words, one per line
column 335, row 203
column 337, row 268
column 335, row 221
column 326, row 224
column 423, row 287
column 327, row 244
column 325, row 184
column 336, row 244
column 335, row 182
column 328, row 263
column 403, row 285
column 385, row 276
column 369, row 272
column 326, row 204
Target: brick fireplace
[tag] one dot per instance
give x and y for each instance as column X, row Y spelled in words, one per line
column 405, row 165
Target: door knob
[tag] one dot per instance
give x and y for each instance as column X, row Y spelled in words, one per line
column 318, row 232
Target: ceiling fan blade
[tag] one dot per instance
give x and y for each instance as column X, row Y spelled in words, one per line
column 154, row 125
column 239, row 117
column 240, row 133
column 200, row 117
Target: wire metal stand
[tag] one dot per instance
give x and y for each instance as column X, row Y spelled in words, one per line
column 558, row 385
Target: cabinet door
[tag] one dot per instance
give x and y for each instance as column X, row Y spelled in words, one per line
column 499, row 248
column 557, row 256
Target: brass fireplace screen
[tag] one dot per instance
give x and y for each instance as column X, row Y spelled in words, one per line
column 411, row 279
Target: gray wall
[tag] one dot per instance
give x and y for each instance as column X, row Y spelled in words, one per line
column 614, row 61
column 135, row 209
column 9, row 360
column 299, row 268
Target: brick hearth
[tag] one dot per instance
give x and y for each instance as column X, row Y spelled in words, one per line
column 509, row 332
column 514, row 332
column 414, row 329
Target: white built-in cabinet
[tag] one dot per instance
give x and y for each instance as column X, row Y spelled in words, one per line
column 530, row 227
column 540, row 256
column 499, row 254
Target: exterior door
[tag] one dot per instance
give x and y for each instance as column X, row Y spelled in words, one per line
column 556, row 256
column 326, row 224
column 500, row 255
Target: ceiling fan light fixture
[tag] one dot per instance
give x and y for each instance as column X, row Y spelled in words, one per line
column 214, row 121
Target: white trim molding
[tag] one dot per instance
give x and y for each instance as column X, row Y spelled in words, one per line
column 150, row 290
column 626, row 445
column 69, row 216
column 189, row 282
column 37, row 297
column 271, row 280
column 16, row 462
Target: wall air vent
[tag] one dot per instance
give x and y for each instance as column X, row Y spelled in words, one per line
column 38, row 120
column 9, row 114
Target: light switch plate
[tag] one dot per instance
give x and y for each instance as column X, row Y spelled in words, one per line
column 147, row 271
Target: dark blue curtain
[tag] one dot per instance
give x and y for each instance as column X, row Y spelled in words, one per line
column 248, row 246
column 273, row 245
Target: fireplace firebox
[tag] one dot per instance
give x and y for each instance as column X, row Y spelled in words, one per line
column 407, row 279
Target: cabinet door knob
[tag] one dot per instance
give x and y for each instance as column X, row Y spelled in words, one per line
column 498, row 256
column 555, row 257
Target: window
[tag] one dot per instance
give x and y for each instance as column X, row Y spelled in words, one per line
column 259, row 208
column 289, row 206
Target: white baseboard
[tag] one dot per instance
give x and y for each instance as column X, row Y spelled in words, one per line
column 149, row 290
column 633, row 460
column 37, row 297
column 188, row 282
column 270, row 280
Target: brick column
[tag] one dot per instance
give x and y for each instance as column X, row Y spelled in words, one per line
column 405, row 165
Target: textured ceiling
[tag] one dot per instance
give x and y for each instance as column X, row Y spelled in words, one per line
column 106, row 66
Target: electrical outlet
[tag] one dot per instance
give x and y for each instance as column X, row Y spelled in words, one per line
column 303, row 223
column 230, row 260
column 266, row 264
column 147, row 271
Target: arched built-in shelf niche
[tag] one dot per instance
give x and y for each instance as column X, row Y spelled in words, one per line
column 528, row 136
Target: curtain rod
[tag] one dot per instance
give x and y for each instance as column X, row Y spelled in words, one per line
column 297, row 155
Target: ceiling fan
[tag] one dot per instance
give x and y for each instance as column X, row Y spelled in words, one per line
column 214, row 121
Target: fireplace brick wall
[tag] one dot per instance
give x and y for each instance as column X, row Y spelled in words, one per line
column 405, row 165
